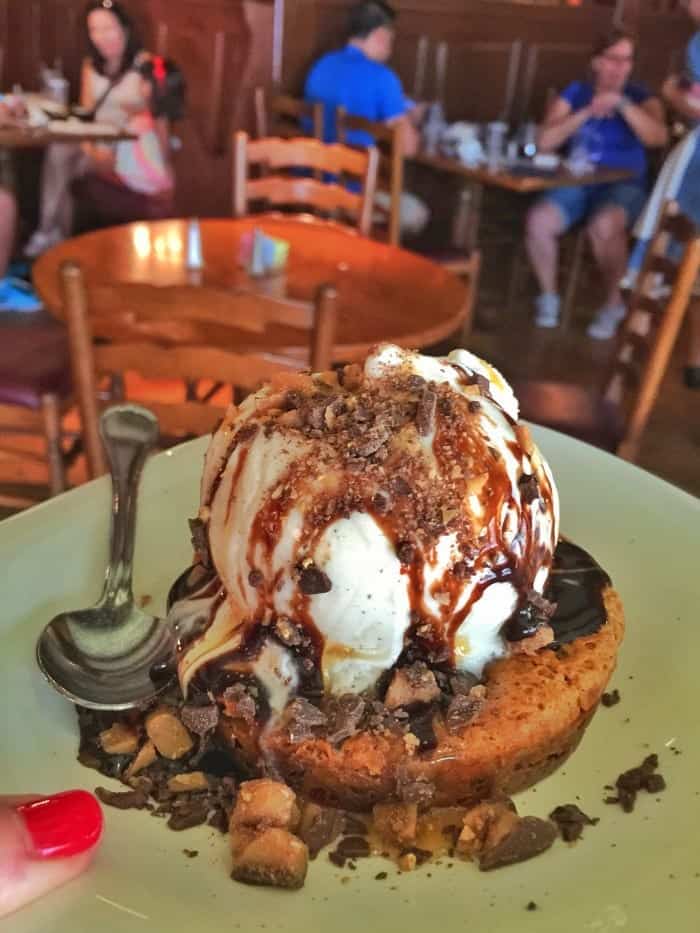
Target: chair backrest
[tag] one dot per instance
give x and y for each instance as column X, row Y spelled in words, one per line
column 387, row 139
column 286, row 116
column 148, row 331
column 655, row 313
column 282, row 184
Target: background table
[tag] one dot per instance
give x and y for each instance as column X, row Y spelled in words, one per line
column 474, row 180
column 384, row 293
column 25, row 137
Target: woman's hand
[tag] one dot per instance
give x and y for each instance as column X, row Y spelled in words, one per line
column 102, row 159
column 605, row 104
column 44, row 842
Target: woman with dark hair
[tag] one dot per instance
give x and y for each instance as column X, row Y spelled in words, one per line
column 620, row 119
column 123, row 85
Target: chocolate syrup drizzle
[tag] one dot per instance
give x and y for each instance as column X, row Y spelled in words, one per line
column 576, row 586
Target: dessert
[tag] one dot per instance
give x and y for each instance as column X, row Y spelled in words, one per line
column 380, row 619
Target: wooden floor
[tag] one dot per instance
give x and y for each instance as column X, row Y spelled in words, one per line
column 671, row 444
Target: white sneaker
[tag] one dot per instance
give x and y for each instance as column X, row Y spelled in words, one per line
column 547, row 311
column 607, row 320
column 39, row 242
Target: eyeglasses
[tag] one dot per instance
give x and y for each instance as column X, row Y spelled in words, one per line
column 615, row 59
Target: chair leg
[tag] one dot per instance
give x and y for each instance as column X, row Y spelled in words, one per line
column 52, row 431
column 573, row 279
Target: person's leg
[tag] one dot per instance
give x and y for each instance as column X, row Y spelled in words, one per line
column 607, row 230
column 546, row 220
column 614, row 209
column 62, row 163
column 8, row 225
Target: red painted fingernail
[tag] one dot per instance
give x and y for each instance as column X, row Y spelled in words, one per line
column 62, row 825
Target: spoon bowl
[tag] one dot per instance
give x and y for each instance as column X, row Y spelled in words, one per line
column 114, row 655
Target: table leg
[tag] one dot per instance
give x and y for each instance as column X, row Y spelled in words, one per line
column 467, row 217
column 8, row 175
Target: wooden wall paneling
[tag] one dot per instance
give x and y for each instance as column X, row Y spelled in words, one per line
column 661, row 51
column 480, row 78
column 223, row 46
column 4, row 41
column 550, row 66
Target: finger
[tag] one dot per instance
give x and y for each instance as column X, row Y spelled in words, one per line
column 44, row 842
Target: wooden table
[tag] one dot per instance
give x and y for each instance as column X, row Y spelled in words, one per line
column 25, row 137
column 521, row 182
column 384, row 293
column 476, row 178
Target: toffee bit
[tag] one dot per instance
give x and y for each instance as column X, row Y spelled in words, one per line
column 610, row 699
column 256, row 578
column 381, row 503
column 460, row 570
column 302, row 717
column 406, row 552
column 629, row 783
column 462, row 710
column 200, row 540
column 570, row 821
column 247, row 432
column 239, row 703
column 126, row 800
column 425, row 413
column 200, row 719
column 400, row 486
column 313, row 581
column 529, row 489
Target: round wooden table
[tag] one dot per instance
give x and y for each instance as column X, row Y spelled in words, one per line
column 384, row 293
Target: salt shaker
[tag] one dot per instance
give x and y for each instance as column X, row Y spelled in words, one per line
column 195, row 259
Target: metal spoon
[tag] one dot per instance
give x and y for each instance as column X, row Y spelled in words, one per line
column 113, row 656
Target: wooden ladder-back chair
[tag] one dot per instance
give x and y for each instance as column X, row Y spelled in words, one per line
column 329, row 197
column 387, row 139
column 35, row 393
column 286, row 116
column 211, row 345
column 460, row 257
column 615, row 417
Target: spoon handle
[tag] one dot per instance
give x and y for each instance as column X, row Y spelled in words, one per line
column 129, row 433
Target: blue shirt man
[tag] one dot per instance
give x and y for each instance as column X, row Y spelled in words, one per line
column 348, row 78
column 358, row 79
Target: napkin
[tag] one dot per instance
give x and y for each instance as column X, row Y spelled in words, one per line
column 261, row 254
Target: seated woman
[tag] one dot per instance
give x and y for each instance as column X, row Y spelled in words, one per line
column 117, row 87
column 624, row 119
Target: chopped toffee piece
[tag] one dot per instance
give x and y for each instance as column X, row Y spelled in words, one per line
column 610, row 699
column 570, row 821
column 122, row 800
column 313, row 581
column 200, row 719
column 629, row 783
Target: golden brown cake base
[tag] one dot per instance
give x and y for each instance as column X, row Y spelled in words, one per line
column 536, row 710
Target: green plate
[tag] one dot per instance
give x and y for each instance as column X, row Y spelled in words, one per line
column 638, row 872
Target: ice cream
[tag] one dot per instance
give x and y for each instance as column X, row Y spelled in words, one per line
column 349, row 518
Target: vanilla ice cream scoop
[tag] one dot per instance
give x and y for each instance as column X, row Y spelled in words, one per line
column 349, row 519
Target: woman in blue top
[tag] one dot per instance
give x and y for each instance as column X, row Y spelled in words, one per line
column 619, row 119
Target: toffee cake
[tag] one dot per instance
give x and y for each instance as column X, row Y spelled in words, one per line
column 380, row 613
